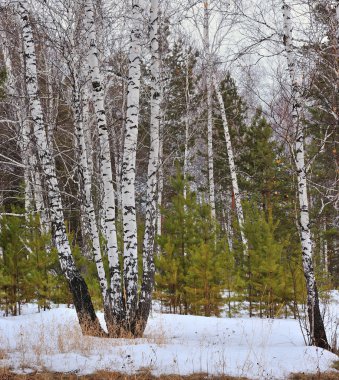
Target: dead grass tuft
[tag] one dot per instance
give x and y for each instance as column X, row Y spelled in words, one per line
column 3, row 354
column 335, row 365
column 314, row 376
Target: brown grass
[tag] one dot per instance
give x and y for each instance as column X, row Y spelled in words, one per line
column 3, row 354
column 335, row 365
column 6, row 374
column 315, row 376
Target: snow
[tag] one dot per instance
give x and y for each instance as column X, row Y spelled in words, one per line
column 251, row 347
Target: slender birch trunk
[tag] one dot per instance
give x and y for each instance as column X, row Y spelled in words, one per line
column 209, row 111
column 33, row 185
column 317, row 329
column 24, row 131
column 187, row 124
column 145, row 300
column 86, row 198
column 81, row 297
column 106, row 167
column 86, row 119
column 160, row 184
column 128, row 170
column 233, row 171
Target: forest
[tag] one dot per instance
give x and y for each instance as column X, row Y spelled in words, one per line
column 180, row 154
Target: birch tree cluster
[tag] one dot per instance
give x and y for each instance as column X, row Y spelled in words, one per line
column 178, row 151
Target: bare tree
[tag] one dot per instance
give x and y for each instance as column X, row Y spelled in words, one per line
column 316, row 324
column 81, row 297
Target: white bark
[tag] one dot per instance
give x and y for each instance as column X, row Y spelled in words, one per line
column 81, row 298
column 128, row 166
column 160, row 183
column 209, row 111
column 86, row 188
column 24, row 132
column 87, row 127
column 317, row 332
column 33, row 184
column 153, row 165
column 233, row 169
column 105, row 159
column 187, row 124
column 46, row 160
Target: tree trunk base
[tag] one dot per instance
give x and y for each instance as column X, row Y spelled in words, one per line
column 88, row 320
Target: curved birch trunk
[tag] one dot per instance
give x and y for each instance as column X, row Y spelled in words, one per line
column 148, row 267
column 128, row 171
column 233, row 171
column 317, row 329
column 209, row 112
column 82, row 301
column 106, row 170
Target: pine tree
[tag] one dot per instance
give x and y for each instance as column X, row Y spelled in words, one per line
column 29, row 272
column 191, row 266
column 269, row 286
column 261, row 163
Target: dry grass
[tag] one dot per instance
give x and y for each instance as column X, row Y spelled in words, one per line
column 315, row 376
column 336, row 365
column 6, row 374
column 57, row 338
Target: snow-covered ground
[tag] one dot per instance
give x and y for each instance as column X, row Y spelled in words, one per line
column 251, row 347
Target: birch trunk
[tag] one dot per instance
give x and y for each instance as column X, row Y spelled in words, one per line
column 316, row 325
column 148, row 267
column 81, row 297
column 233, row 171
column 106, row 168
column 23, row 132
column 86, row 198
column 209, row 111
column 186, row 151
column 33, row 185
column 160, row 184
column 128, row 171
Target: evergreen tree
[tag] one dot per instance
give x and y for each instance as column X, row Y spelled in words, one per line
column 29, row 273
column 270, row 286
column 191, row 267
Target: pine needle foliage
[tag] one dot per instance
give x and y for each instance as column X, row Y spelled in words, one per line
column 190, row 275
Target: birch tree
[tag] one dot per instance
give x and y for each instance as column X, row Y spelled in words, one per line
column 233, row 171
column 105, row 165
column 316, row 324
column 34, row 199
column 81, row 297
column 208, row 79
column 87, row 199
column 128, row 170
column 153, row 165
